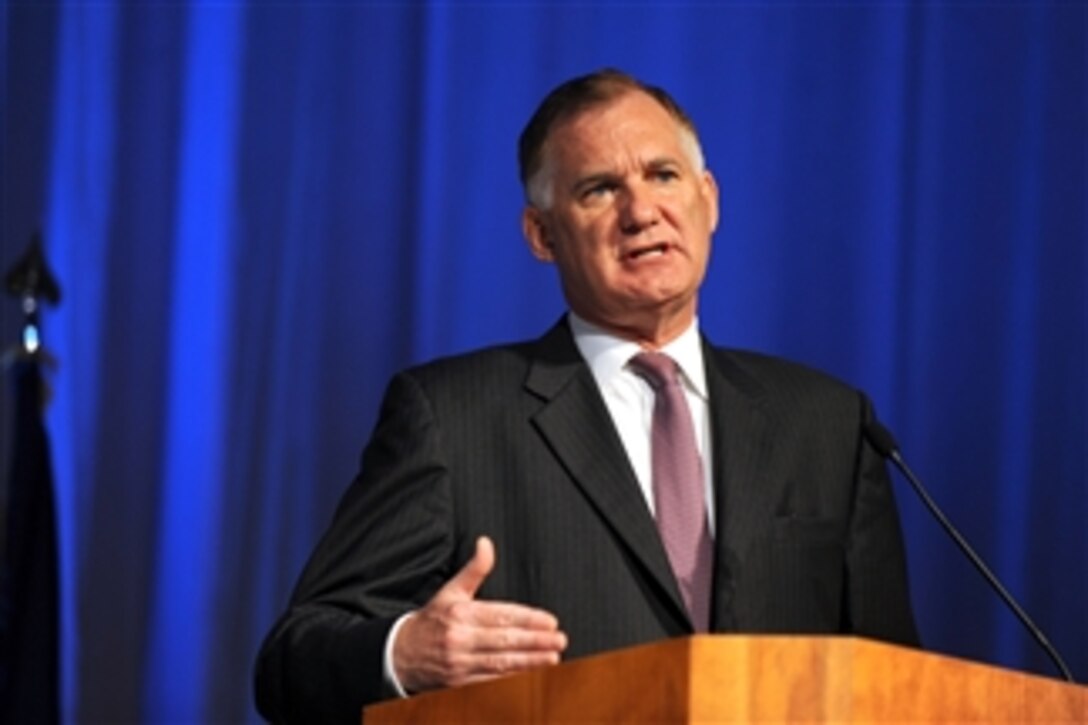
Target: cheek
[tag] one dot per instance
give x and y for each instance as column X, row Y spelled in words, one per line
column 699, row 225
column 591, row 243
column 588, row 265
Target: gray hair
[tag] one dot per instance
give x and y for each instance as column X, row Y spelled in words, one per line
column 573, row 97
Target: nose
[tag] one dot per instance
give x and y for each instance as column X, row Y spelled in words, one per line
column 638, row 209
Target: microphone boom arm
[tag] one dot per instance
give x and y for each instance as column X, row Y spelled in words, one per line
column 885, row 444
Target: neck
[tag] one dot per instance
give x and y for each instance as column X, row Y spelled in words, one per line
column 652, row 333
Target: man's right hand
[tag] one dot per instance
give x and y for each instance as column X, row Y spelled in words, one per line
column 456, row 639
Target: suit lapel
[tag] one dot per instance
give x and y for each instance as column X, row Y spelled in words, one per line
column 743, row 498
column 578, row 428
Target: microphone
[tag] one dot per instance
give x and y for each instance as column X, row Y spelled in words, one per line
column 886, row 446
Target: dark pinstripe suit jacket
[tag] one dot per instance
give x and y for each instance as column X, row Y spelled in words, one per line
column 516, row 442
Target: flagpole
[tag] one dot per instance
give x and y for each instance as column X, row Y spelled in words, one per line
column 29, row 578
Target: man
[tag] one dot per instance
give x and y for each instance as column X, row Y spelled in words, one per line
column 510, row 506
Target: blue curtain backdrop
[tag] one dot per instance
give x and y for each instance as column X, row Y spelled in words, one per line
column 259, row 211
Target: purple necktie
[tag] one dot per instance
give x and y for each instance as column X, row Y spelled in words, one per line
column 679, row 496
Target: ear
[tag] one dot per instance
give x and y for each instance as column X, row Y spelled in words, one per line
column 711, row 196
column 534, row 227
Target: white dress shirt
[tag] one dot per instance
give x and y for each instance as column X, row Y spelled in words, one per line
column 630, row 399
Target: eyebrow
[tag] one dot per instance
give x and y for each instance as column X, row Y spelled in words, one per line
column 591, row 180
column 587, row 182
column 661, row 162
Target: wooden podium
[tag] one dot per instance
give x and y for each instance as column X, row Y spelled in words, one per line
column 710, row 679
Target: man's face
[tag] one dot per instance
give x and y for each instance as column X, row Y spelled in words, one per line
column 630, row 220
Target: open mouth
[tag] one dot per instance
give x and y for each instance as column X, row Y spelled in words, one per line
column 653, row 250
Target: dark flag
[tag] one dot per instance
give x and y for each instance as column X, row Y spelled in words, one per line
column 29, row 604
column 29, row 591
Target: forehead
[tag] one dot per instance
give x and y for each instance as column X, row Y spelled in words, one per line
column 631, row 126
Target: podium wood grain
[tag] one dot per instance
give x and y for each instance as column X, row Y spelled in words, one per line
column 716, row 678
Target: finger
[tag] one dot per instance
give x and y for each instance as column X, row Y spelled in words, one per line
column 508, row 615
column 467, row 582
column 488, row 666
column 524, row 641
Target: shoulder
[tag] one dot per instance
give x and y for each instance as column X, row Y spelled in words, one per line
column 778, row 384
column 499, row 366
column 462, row 382
column 773, row 371
column 486, row 363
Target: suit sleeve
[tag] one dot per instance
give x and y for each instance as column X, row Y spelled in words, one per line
column 387, row 551
column 878, row 597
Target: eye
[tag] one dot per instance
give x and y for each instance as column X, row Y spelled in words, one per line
column 665, row 175
column 599, row 189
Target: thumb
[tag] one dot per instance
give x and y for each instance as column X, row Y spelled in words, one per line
column 467, row 582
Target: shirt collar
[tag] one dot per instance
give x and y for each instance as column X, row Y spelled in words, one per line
column 607, row 354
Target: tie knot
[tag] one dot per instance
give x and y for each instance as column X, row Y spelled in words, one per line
column 657, row 368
